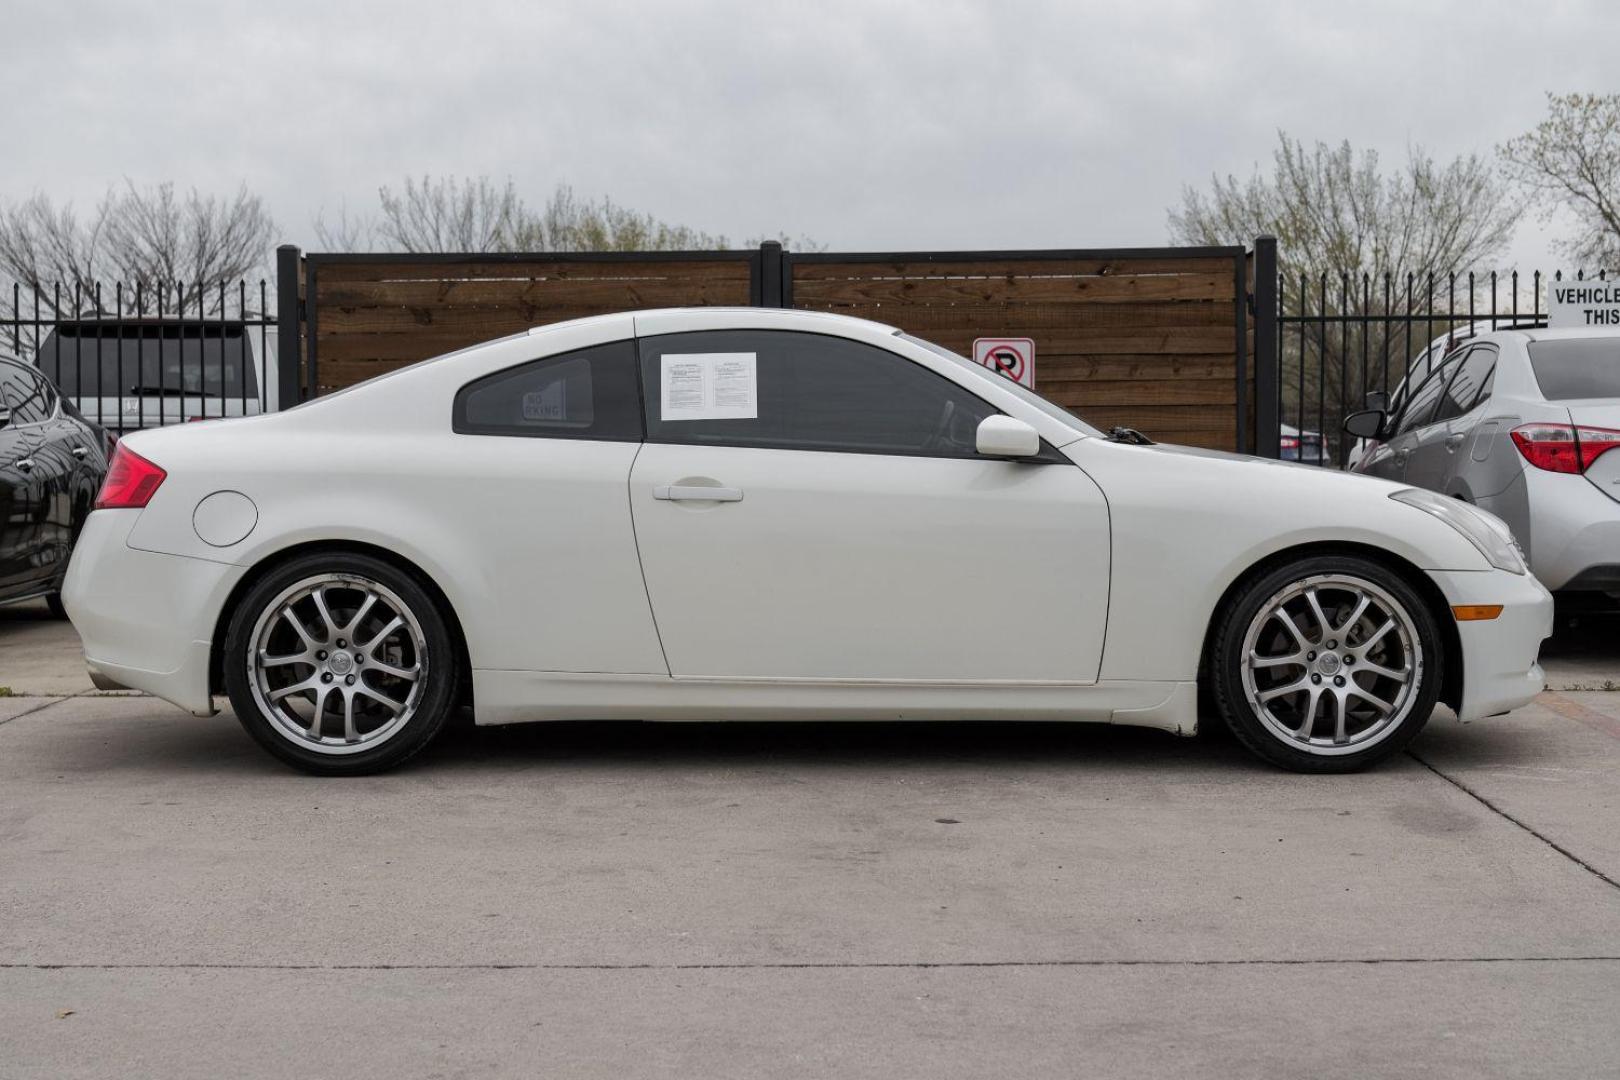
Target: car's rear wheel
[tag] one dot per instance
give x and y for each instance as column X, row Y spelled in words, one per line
column 1327, row 664
column 340, row 664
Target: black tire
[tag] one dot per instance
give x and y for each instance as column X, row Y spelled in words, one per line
column 1229, row 659
column 440, row 666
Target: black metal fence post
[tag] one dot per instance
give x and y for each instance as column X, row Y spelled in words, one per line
column 289, row 327
column 1267, row 354
column 770, row 274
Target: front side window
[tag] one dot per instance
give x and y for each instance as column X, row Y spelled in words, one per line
column 801, row 391
column 589, row 394
column 1418, row 411
column 1466, row 386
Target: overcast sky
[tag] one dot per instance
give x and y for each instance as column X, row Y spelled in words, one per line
column 867, row 126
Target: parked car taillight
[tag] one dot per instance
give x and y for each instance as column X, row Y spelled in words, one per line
column 131, row 481
column 1564, row 448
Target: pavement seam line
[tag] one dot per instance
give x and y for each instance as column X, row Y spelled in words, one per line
column 1497, row 810
column 42, row 705
column 829, row 965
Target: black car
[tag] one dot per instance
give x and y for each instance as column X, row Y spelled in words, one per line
column 52, row 462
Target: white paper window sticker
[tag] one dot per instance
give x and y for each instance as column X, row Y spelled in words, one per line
column 708, row 386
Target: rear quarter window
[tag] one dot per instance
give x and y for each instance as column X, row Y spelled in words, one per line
column 1573, row 369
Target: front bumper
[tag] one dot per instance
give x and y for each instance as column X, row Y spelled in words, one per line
column 1499, row 668
column 146, row 619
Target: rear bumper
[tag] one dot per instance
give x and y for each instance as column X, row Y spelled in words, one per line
column 146, row 619
column 1574, row 527
column 1499, row 668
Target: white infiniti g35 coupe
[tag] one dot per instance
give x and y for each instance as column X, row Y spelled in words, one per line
column 744, row 513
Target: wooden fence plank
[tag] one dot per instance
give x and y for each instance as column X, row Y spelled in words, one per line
column 670, row 270
column 981, row 268
column 1116, row 288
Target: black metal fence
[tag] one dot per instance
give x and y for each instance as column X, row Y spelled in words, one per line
column 1336, row 337
column 131, row 356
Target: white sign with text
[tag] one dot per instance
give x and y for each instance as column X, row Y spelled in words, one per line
column 1579, row 304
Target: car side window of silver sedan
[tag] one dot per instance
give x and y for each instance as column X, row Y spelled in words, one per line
column 1421, row 406
column 1468, row 385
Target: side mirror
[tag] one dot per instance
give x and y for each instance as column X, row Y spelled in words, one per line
column 1006, row 437
column 1377, row 399
column 1367, row 424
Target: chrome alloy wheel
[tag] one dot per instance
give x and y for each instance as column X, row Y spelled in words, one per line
column 338, row 663
column 1332, row 664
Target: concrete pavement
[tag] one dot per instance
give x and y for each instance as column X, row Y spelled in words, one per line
column 778, row 900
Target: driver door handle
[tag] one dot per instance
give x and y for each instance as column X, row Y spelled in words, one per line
column 1454, row 441
column 696, row 493
column 80, row 451
column 25, row 464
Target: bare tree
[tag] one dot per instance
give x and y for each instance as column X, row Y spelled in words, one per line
column 1357, row 240
column 569, row 223
column 187, row 245
column 1334, row 209
column 1573, row 158
column 450, row 214
column 350, row 232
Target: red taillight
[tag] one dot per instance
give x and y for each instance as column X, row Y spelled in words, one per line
column 1290, row 443
column 1563, row 448
column 131, row 481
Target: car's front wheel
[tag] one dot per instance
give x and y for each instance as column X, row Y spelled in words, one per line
column 340, row 664
column 1326, row 664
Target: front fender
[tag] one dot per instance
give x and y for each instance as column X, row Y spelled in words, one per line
column 1187, row 524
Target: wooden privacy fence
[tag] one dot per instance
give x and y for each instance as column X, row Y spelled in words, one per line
column 1156, row 339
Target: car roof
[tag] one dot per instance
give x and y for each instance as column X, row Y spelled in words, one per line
column 667, row 320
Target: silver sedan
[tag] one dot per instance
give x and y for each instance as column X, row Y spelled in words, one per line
column 1520, row 423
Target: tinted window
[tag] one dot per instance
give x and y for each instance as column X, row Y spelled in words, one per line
column 814, row 393
column 1050, row 408
column 1576, row 368
column 27, row 395
column 1414, row 376
column 589, row 394
column 1464, row 391
column 112, row 359
column 1417, row 413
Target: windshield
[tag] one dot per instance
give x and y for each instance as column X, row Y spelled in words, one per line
column 1030, row 397
column 112, row 360
column 1573, row 369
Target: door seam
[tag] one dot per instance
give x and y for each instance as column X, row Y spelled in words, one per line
column 635, row 540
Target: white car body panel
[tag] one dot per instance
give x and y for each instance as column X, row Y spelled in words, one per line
column 857, row 566
column 847, row 586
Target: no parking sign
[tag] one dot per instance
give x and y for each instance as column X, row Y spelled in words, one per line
column 1013, row 357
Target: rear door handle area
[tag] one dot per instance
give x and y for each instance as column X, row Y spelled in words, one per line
column 1454, row 441
column 697, row 493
